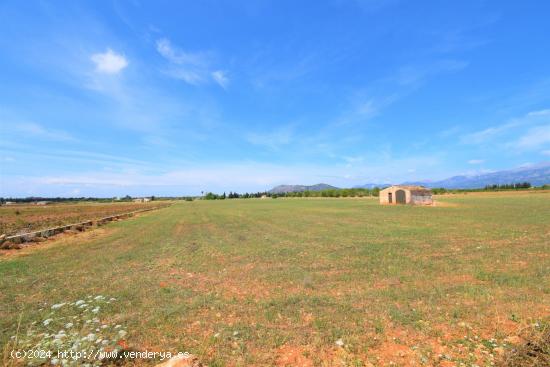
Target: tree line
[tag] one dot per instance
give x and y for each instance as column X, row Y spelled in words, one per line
column 331, row 193
column 496, row 187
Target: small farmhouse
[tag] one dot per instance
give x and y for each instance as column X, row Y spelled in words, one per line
column 414, row 195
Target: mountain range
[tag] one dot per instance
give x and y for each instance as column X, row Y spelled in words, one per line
column 536, row 175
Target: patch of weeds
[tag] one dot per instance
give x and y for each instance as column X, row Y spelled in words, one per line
column 216, row 363
column 321, row 325
column 405, row 316
column 378, row 327
column 71, row 334
column 489, row 343
column 270, row 314
column 501, row 279
column 458, row 313
column 193, row 247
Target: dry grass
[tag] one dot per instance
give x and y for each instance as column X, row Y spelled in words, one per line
column 531, row 350
column 295, row 282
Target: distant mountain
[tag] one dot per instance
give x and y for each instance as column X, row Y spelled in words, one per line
column 536, row 175
column 371, row 186
column 298, row 188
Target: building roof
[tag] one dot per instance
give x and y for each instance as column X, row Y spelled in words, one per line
column 412, row 188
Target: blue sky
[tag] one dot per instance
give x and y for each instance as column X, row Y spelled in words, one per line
column 108, row 98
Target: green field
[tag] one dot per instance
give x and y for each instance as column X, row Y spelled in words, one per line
column 302, row 282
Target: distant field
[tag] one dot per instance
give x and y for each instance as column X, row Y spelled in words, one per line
column 305, row 282
column 16, row 219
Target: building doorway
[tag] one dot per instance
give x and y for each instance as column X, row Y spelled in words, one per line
column 400, row 197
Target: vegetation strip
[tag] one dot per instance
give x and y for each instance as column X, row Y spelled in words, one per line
column 36, row 236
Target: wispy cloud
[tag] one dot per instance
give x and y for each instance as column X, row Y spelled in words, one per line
column 369, row 103
column 178, row 56
column 221, row 78
column 273, row 140
column 37, row 130
column 476, row 161
column 492, row 132
column 109, row 62
column 414, row 74
column 539, row 113
column 534, row 138
column 191, row 67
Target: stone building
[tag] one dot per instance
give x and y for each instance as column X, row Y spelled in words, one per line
column 414, row 195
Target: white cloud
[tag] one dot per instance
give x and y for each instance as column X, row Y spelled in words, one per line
column 272, row 140
column 31, row 128
column 539, row 113
column 410, row 74
column 534, row 138
column 178, row 56
column 188, row 76
column 191, row 67
column 109, row 62
column 531, row 118
column 486, row 134
column 220, row 78
column 476, row 161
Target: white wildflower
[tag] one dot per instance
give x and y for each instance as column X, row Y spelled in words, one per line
column 339, row 342
column 55, row 361
column 58, row 305
column 69, row 325
column 79, row 302
column 122, row 333
column 47, row 322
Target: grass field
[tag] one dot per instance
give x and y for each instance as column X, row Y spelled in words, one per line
column 24, row 218
column 303, row 282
